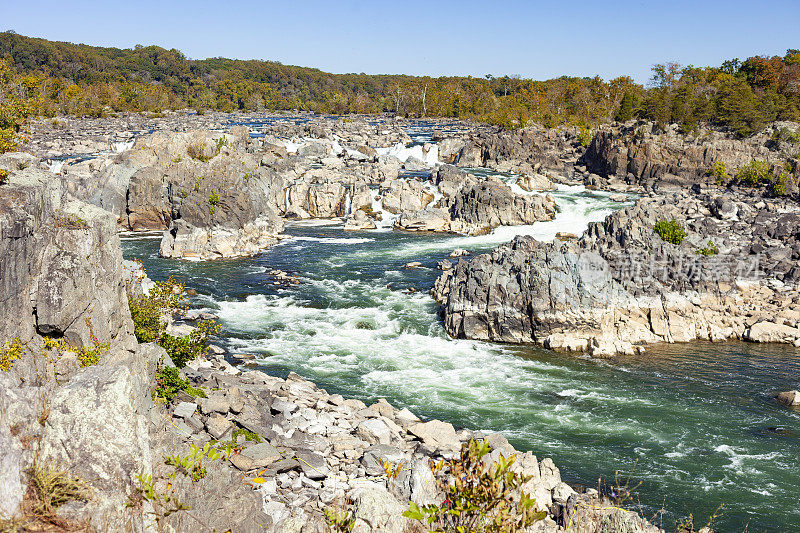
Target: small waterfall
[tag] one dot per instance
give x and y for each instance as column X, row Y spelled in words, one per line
column 55, row 165
column 348, row 201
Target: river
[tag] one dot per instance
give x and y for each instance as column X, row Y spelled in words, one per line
column 689, row 422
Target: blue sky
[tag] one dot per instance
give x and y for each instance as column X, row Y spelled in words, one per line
column 540, row 40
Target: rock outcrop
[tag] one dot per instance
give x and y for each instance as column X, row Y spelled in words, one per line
column 60, row 266
column 647, row 155
column 621, row 286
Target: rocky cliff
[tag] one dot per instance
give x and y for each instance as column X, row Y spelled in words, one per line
column 620, row 286
column 646, row 154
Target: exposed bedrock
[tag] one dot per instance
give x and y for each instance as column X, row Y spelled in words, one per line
column 620, row 286
column 646, row 154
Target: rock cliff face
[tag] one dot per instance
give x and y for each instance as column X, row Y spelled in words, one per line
column 620, row 286
column 60, row 266
column 532, row 149
column 644, row 154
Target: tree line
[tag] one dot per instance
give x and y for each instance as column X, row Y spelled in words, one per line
column 48, row 78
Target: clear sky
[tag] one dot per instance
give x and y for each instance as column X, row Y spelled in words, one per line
column 533, row 39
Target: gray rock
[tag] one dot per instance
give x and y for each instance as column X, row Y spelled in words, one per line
column 184, row 410
column 219, row 427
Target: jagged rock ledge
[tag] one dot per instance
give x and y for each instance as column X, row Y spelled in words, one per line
column 620, row 286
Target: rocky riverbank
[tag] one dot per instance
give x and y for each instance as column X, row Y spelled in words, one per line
column 621, row 286
column 243, row 452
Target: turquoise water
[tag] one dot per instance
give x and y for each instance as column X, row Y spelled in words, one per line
column 690, row 421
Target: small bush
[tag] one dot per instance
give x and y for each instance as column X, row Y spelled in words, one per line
column 339, row 522
column 248, row 435
column 9, row 353
column 222, row 141
column 670, row 231
column 146, row 311
column 585, row 137
column 197, row 151
column 184, row 349
column 781, row 186
column 719, row 172
column 478, row 498
column 213, row 201
column 754, row 174
column 709, row 249
column 4, row 176
column 71, row 221
column 168, row 383
column 91, row 356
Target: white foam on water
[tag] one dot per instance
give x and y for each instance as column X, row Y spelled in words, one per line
column 404, row 153
column 332, row 240
column 122, row 146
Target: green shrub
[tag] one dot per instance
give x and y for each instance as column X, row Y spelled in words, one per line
column 780, row 187
column 91, row 356
column 248, row 435
column 719, row 172
column 222, row 141
column 478, row 497
column 585, row 137
column 670, row 231
column 197, row 151
column 4, row 176
column 149, row 325
column 184, row 349
column 339, row 522
column 54, row 487
column 213, row 201
column 754, row 174
column 168, row 383
column 146, row 310
column 709, row 249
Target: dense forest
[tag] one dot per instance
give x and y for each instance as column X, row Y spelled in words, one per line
column 48, row 78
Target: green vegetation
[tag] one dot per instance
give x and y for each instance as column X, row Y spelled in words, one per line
column 167, row 297
column 191, row 465
column 91, row 356
column 164, row 502
column 710, row 248
column 585, row 136
column 719, row 172
column 16, row 105
column 220, row 142
column 247, row 434
column 50, row 77
column 70, row 221
column 169, row 383
column 339, row 522
column 478, row 497
column 54, row 487
column 4, row 176
column 213, row 201
column 670, row 231
column 9, row 353
column 197, row 151
column 754, row 174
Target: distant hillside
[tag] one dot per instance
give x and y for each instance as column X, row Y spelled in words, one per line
column 89, row 80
